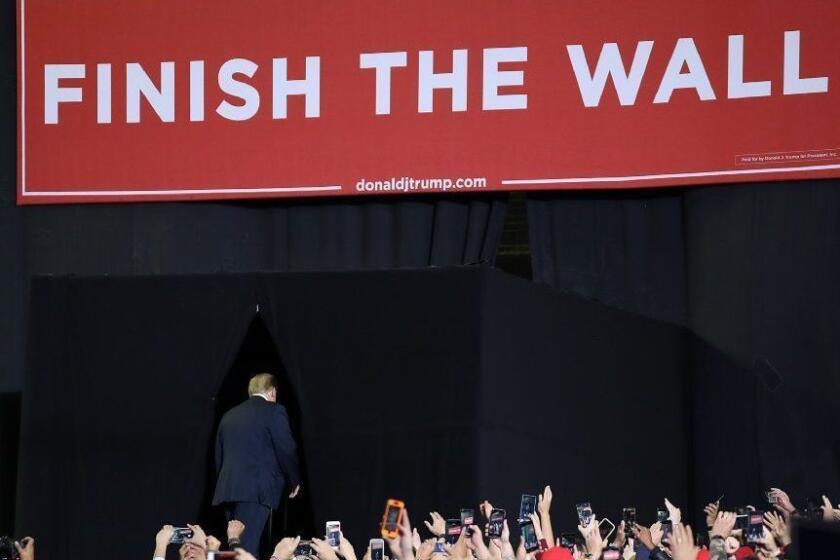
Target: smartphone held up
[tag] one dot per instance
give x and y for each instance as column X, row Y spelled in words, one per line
column 496, row 523
column 334, row 534
column 377, row 549
column 392, row 518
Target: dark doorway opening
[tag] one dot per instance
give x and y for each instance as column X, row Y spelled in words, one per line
column 258, row 354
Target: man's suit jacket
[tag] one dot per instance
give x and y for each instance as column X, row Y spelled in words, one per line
column 256, row 455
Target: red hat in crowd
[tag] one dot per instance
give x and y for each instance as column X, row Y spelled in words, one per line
column 557, row 553
column 744, row 552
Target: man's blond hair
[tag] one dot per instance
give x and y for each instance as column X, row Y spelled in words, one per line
column 261, row 383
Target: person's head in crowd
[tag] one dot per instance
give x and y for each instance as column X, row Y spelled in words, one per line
column 263, row 385
column 662, row 540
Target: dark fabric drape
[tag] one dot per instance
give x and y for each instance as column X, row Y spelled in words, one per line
column 386, row 233
column 623, row 250
column 753, row 271
column 115, row 427
column 764, row 271
column 234, row 237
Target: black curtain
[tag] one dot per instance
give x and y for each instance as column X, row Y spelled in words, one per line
column 235, row 237
column 753, row 271
column 136, row 450
column 585, row 397
column 625, row 250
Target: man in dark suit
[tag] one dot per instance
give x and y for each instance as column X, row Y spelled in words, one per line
column 256, row 460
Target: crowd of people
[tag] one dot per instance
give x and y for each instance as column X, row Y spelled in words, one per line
column 670, row 539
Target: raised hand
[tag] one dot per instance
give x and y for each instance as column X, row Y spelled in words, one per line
column 544, row 500
column 438, row 525
column 681, row 543
column 345, row 549
column 162, row 540
column 723, row 525
column 485, row 508
column 711, row 513
column 644, row 536
column 505, row 533
column 537, row 527
column 544, row 507
column 459, row 550
column 475, row 543
column 778, row 527
column 426, row 548
column 768, row 543
column 783, row 502
column 235, row 529
column 323, row 550
column 505, row 548
column 406, row 548
column 674, row 514
column 394, row 547
column 830, row 514
column 26, row 548
column 656, row 533
column 620, row 535
column 592, row 536
column 199, row 538
column 495, row 548
column 629, row 552
column 415, row 539
column 285, row 549
column 213, row 544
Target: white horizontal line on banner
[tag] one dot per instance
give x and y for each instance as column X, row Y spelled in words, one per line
column 183, row 191
column 629, row 178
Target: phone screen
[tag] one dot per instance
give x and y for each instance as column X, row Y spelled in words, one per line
column 496, row 523
column 453, row 530
column 333, row 533
column 584, row 512
column 392, row 518
column 755, row 529
column 529, row 537
column 527, row 506
column 377, row 549
column 606, row 527
column 742, row 518
column 181, row 535
column 628, row 515
column 304, row 548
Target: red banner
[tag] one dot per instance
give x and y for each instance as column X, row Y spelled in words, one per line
column 123, row 100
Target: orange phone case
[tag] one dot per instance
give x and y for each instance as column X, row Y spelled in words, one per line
column 386, row 534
